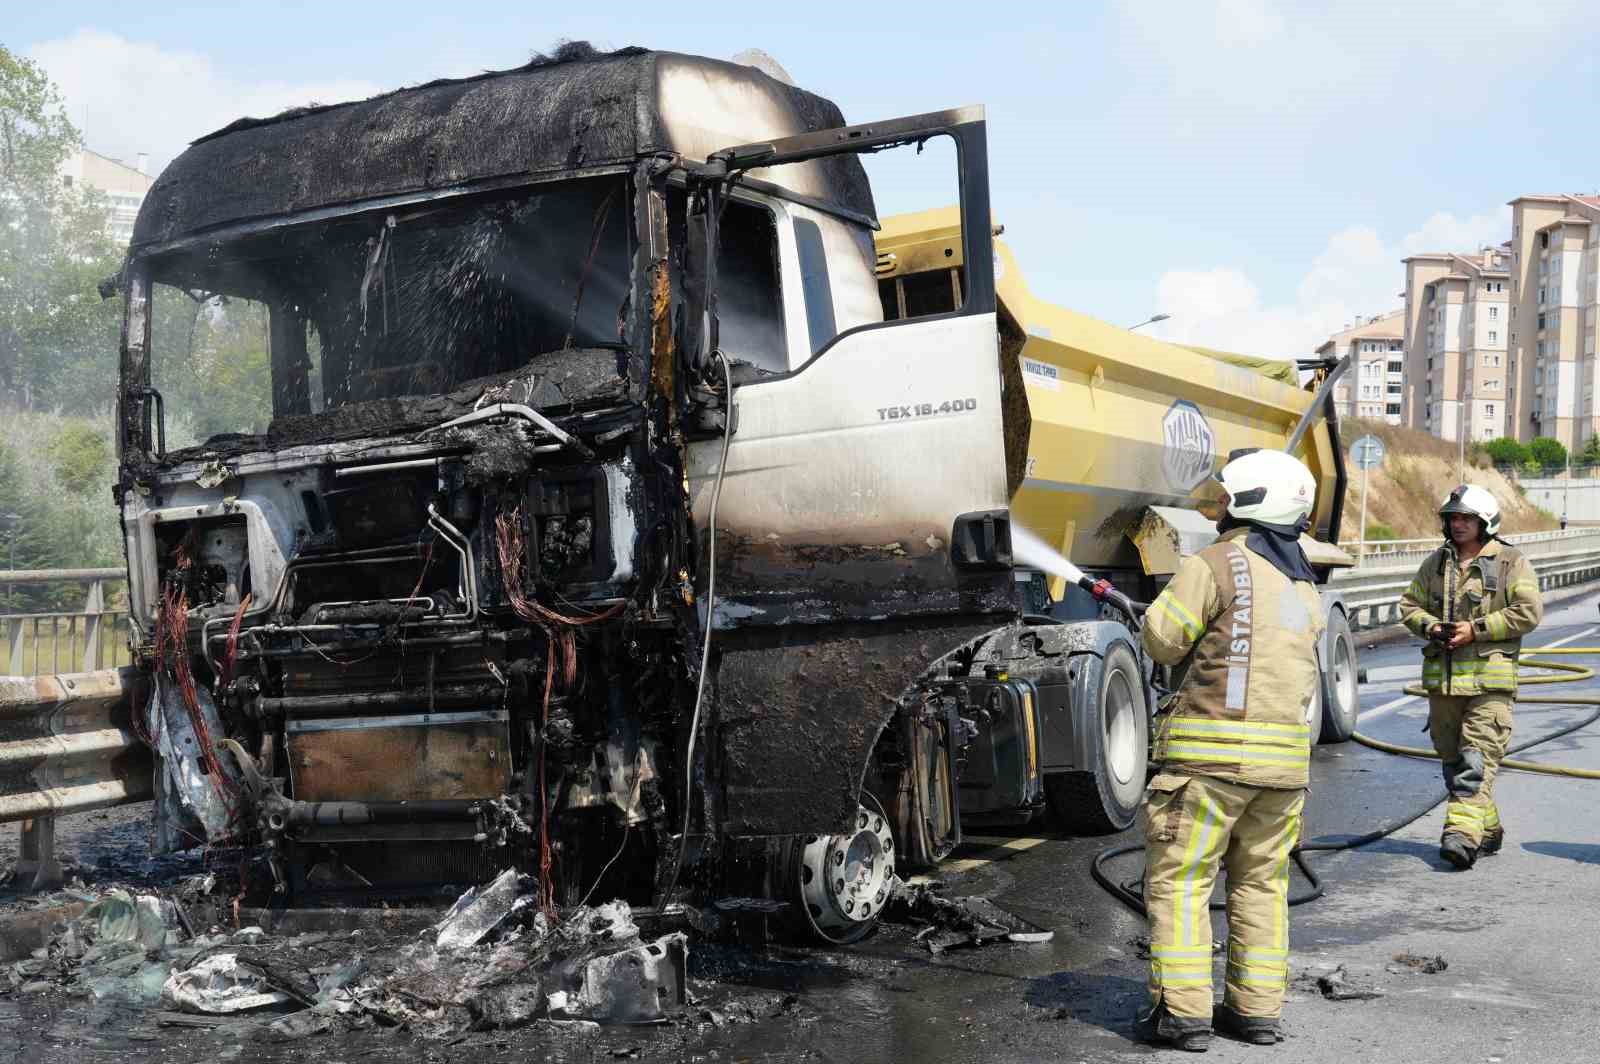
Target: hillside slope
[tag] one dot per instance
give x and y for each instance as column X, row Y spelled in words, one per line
column 1417, row 473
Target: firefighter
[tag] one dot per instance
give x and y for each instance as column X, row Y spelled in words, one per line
column 1473, row 600
column 1241, row 620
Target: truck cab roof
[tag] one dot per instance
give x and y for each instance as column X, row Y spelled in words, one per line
column 578, row 114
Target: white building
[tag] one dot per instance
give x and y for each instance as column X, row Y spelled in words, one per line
column 124, row 186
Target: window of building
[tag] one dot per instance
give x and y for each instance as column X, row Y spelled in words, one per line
column 1397, row 367
column 1492, row 384
column 1494, row 313
column 1494, row 337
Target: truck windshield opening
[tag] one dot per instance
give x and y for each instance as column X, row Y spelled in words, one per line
column 311, row 318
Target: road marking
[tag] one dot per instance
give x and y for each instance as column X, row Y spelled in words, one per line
column 994, row 852
column 1378, row 711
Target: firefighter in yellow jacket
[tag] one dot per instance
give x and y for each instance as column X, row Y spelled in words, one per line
column 1243, row 618
column 1473, row 600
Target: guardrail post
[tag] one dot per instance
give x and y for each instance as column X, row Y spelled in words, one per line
column 37, row 867
column 93, row 606
column 14, row 650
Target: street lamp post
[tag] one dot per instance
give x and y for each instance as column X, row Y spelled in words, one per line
column 1149, row 321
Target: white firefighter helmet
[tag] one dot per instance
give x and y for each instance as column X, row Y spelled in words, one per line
column 1268, row 486
column 1471, row 499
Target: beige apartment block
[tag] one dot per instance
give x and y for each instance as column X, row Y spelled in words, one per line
column 1554, row 242
column 1374, row 386
column 1457, row 318
column 124, row 186
column 1485, row 334
column 1421, row 395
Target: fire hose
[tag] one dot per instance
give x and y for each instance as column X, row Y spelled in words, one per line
column 1129, row 893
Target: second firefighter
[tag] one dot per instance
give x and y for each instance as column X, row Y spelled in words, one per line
column 1473, row 600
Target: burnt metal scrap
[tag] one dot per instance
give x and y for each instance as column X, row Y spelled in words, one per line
column 492, row 962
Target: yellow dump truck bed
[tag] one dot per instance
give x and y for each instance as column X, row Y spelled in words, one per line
column 1120, row 422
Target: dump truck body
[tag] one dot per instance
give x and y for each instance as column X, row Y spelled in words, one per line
column 1120, row 422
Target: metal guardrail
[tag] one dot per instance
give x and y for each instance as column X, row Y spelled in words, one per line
column 84, row 640
column 1394, row 552
column 69, row 747
column 1372, row 595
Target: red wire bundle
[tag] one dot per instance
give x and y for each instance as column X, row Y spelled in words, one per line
column 558, row 629
column 172, row 651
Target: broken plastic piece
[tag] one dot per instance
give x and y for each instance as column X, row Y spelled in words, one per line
column 479, row 911
column 220, row 983
column 646, row 984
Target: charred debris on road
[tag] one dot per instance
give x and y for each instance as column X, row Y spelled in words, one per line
column 184, row 954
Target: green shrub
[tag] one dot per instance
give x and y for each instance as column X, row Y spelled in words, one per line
column 1547, row 452
column 1377, row 531
column 1506, row 451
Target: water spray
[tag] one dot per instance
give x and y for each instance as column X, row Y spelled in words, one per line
column 1030, row 550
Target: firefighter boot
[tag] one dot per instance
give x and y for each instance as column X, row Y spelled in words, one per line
column 1493, row 839
column 1190, row 1034
column 1257, row 1030
column 1458, row 850
column 1494, row 833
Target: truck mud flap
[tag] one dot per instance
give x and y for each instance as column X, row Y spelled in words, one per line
column 798, row 713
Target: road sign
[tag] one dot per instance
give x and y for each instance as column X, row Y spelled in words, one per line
column 1366, row 452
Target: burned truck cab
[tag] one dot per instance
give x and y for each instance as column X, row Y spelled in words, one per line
column 519, row 471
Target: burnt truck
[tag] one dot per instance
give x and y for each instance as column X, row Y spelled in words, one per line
column 534, row 470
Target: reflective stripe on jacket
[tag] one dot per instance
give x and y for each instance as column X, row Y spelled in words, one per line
column 1498, row 593
column 1246, row 635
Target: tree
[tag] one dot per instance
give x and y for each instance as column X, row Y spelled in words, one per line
column 1506, row 451
column 1547, row 452
column 1591, row 451
column 57, row 337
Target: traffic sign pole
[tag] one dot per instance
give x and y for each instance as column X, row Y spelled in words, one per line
column 1367, row 452
column 1361, row 549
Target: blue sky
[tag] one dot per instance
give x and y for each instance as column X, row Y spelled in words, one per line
column 1254, row 169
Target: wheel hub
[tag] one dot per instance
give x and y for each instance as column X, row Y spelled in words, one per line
column 845, row 879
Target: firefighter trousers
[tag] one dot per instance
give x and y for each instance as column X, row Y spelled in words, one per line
column 1470, row 734
column 1193, row 826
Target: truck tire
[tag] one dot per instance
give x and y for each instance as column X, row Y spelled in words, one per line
column 1341, row 694
column 1104, row 798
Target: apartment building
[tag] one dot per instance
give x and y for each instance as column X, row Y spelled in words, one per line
column 1374, row 386
column 1554, row 242
column 1457, row 328
column 124, row 186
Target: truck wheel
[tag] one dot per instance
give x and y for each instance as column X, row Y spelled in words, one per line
column 1116, row 728
column 1341, row 700
column 842, row 882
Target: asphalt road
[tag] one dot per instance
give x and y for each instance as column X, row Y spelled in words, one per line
column 1518, row 933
